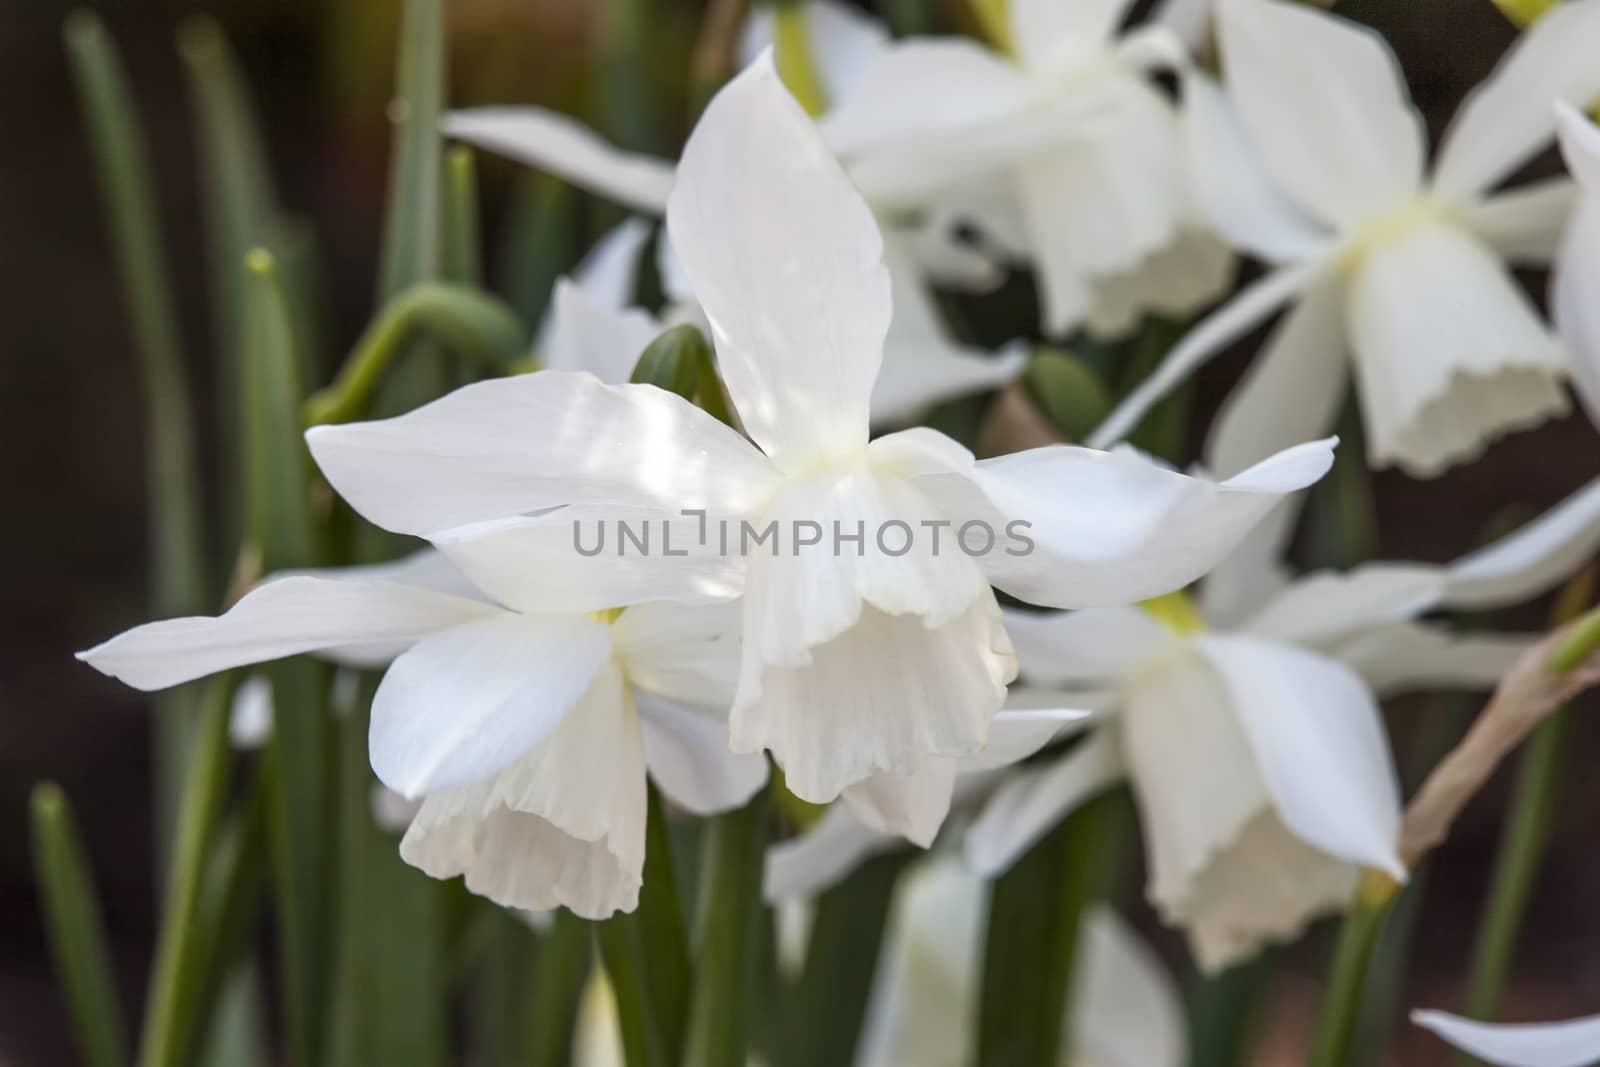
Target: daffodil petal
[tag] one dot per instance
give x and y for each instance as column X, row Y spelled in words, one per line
column 1126, row 1010
column 821, row 857
column 1082, row 647
column 537, row 835
column 1408, row 656
column 282, row 617
column 1573, row 1043
column 1449, row 353
column 1325, row 606
column 1235, row 191
column 1326, row 104
column 687, row 753
column 568, row 149
column 1030, row 802
column 462, row 704
column 534, row 441
column 1318, row 739
column 588, row 558
column 787, row 262
column 1103, row 528
column 1508, row 117
column 912, row 806
column 1525, row 224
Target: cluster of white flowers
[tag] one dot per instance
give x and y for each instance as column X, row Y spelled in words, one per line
column 532, row 689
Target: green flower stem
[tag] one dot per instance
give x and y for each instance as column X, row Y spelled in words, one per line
column 994, row 19
column 411, row 236
column 177, row 557
column 824, row 1011
column 463, row 256
column 1524, row 13
column 391, row 990
column 1035, row 919
column 239, row 198
column 646, row 956
column 281, row 524
column 1342, row 1001
column 1579, row 645
column 1526, row 834
column 535, row 247
column 73, row 921
column 173, row 1019
column 793, row 55
column 560, row 968
column 627, row 28
column 726, row 941
column 468, row 322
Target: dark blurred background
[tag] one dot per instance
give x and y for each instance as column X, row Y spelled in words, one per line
column 73, row 540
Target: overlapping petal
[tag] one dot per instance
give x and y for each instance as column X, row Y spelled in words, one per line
column 562, row 826
column 687, row 753
column 1113, row 527
column 1317, row 737
column 462, row 704
column 1325, row 103
column 786, row 260
column 522, row 444
column 1234, row 190
column 590, row 558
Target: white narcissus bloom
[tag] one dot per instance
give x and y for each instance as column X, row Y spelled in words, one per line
column 888, row 650
column 1251, row 733
column 1574, row 1043
column 1313, row 160
column 1576, row 281
column 922, row 364
column 485, row 709
column 1124, row 1012
column 1068, row 154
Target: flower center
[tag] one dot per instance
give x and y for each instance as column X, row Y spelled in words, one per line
column 1423, row 211
column 1176, row 611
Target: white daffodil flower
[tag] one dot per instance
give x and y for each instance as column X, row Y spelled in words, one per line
column 1125, row 1010
column 1251, row 732
column 1313, row 160
column 485, row 709
column 922, row 364
column 1574, row 1043
column 1065, row 153
column 1576, row 278
column 869, row 645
